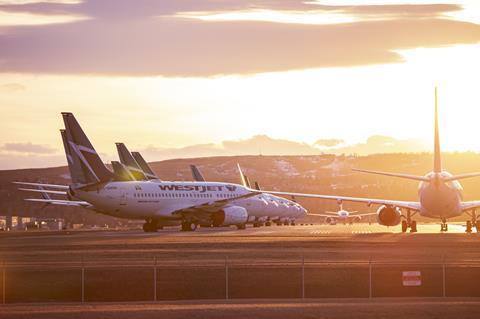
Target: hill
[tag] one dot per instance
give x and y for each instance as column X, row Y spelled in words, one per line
column 324, row 174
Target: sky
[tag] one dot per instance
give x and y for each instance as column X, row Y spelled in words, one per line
column 186, row 78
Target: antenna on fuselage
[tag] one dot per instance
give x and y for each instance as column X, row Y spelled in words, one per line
column 437, row 157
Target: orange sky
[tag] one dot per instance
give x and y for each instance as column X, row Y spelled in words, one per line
column 163, row 75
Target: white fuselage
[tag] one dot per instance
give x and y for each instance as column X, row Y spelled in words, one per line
column 160, row 200
column 439, row 199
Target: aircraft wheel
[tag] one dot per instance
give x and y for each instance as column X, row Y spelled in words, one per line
column 413, row 226
column 469, row 227
column 256, row 225
column 292, row 224
column 268, row 224
column 149, row 228
column 241, row 226
column 188, row 226
column 404, row 226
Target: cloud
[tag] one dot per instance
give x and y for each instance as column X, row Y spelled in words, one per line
column 383, row 144
column 12, row 87
column 144, row 38
column 265, row 145
column 27, row 148
column 329, row 142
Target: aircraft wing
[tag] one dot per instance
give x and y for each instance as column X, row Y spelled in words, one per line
column 364, row 215
column 59, row 202
column 42, row 185
column 470, row 205
column 212, row 206
column 415, row 206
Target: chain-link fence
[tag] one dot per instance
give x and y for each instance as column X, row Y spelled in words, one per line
column 152, row 279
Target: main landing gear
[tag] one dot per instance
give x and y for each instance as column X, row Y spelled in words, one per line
column 188, row 226
column 409, row 223
column 150, row 226
column 474, row 222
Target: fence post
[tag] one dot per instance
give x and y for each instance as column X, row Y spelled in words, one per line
column 83, row 281
column 370, row 293
column 444, row 287
column 226, row 277
column 155, row 278
column 3, row 283
column 303, row 276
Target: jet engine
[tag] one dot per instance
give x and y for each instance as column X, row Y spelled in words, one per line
column 330, row 221
column 233, row 215
column 389, row 216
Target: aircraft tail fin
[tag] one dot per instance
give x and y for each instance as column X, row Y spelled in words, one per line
column 196, row 174
column 121, row 172
column 144, row 166
column 127, row 159
column 437, row 156
column 92, row 169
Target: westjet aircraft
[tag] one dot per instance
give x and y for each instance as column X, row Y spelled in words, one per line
column 159, row 203
column 439, row 194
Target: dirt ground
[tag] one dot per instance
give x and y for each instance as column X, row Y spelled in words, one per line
column 285, row 309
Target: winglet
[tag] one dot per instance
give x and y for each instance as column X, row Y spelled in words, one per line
column 196, row 174
column 243, row 177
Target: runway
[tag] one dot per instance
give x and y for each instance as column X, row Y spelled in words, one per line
column 347, row 243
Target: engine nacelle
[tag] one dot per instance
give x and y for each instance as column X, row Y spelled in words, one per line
column 233, row 215
column 389, row 216
column 330, row 221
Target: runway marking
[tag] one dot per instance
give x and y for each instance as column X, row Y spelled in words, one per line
column 320, row 232
column 361, row 232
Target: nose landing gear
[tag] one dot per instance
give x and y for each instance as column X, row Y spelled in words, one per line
column 444, row 225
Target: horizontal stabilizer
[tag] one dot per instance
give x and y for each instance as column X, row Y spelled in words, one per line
column 42, row 185
column 461, row 176
column 43, row 191
column 406, row 176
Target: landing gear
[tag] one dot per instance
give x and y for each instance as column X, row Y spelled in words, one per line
column 150, row 226
column 256, row 225
column 268, row 223
column 292, row 223
column 475, row 222
column 188, row 226
column 468, row 230
column 241, row 226
column 409, row 223
column 413, row 226
column 444, row 226
column 404, row 226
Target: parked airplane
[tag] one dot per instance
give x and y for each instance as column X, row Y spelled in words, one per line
column 343, row 216
column 160, row 203
column 278, row 209
column 439, row 193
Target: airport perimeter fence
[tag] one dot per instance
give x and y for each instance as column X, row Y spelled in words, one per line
column 154, row 279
